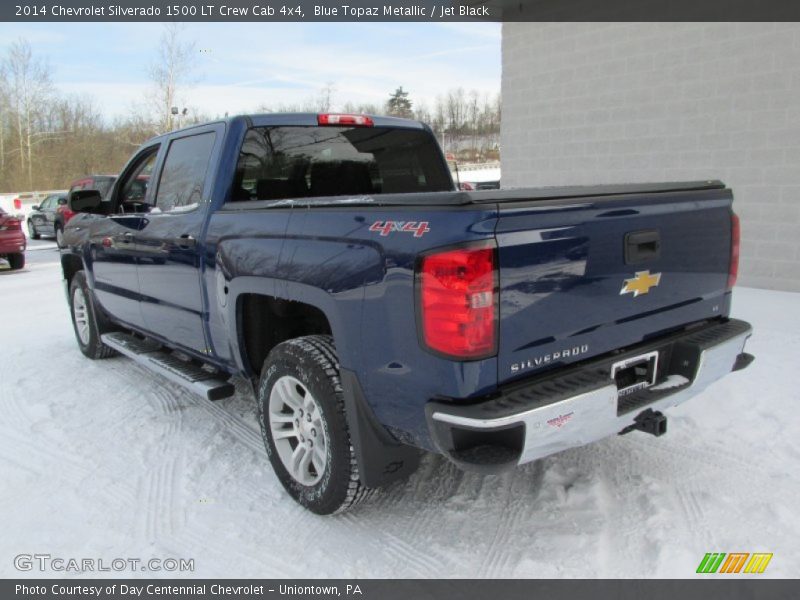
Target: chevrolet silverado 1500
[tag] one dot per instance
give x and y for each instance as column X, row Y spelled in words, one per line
column 378, row 312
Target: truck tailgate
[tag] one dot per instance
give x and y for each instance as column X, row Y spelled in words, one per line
column 581, row 277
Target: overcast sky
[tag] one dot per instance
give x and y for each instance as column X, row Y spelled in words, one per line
column 244, row 65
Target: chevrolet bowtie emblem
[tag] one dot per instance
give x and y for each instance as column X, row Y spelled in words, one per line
column 640, row 284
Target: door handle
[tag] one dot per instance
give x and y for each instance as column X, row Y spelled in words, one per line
column 186, row 241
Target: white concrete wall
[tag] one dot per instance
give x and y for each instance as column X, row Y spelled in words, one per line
column 597, row 103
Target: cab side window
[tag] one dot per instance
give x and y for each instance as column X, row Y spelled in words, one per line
column 180, row 187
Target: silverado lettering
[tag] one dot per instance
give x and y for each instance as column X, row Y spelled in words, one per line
column 557, row 355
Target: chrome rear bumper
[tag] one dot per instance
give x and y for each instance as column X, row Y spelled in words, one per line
column 547, row 415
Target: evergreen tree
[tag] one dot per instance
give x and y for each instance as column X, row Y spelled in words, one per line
column 399, row 105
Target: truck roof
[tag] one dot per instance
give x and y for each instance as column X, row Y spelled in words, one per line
column 306, row 119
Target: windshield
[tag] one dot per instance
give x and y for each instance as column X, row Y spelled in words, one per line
column 294, row 162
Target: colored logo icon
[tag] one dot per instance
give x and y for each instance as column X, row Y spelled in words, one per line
column 734, row 562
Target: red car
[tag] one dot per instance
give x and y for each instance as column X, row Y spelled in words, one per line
column 12, row 240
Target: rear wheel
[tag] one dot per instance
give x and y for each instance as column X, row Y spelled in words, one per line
column 32, row 230
column 16, row 261
column 302, row 417
column 88, row 322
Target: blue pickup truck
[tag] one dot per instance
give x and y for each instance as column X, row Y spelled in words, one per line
column 379, row 312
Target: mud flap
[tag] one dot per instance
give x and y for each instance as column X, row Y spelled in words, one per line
column 381, row 458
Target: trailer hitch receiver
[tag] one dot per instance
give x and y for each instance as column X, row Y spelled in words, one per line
column 650, row 421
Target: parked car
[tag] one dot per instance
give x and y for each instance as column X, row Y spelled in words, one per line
column 472, row 186
column 42, row 218
column 64, row 212
column 12, row 240
column 377, row 311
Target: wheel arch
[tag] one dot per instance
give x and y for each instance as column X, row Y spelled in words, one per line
column 71, row 264
column 264, row 312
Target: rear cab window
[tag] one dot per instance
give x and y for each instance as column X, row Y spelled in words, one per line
column 286, row 162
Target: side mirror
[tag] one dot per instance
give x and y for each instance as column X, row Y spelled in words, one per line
column 62, row 201
column 35, row 207
column 87, row 201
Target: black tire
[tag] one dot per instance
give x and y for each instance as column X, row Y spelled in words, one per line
column 32, row 233
column 16, row 261
column 59, row 234
column 96, row 322
column 312, row 361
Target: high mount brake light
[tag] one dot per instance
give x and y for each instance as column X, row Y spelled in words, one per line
column 339, row 119
column 458, row 302
column 736, row 238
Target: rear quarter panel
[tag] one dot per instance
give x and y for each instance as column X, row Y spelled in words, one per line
column 363, row 281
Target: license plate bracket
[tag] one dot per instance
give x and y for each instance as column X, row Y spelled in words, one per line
column 635, row 373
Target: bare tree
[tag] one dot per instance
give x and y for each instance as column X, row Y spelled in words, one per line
column 170, row 72
column 29, row 89
column 326, row 97
column 362, row 109
column 474, row 118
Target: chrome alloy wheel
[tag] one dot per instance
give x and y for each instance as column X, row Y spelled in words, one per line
column 295, row 422
column 81, row 314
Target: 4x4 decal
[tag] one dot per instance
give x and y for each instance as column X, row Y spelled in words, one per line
column 418, row 228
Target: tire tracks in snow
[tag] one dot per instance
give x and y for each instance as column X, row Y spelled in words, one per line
column 161, row 487
column 162, row 518
column 14, row 415
column 59, row 462
column 434, row 484
column 247, row 435
column 518, row 503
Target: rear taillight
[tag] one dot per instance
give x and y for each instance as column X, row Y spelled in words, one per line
column 458, row 302
column 11, row 224
column 736, row 237
column 65, row 212
column 337, row 119
column 17, row 204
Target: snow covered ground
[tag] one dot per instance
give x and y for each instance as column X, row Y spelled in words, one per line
column 103, row 460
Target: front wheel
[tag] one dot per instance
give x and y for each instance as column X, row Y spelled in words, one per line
column 88, row 322
column 59, row 236
column 302, row 417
